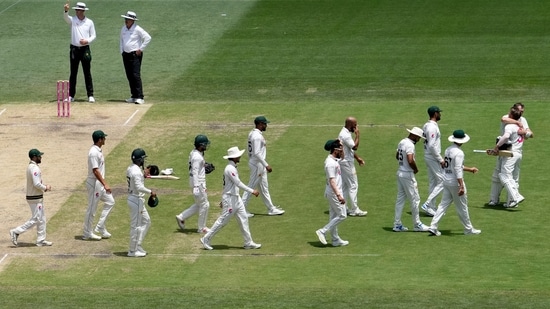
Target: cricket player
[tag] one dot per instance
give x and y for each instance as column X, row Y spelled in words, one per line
column 434, row 160
column 503, row 175
column 334, row 195
column 232, row 203
column 350, row 184
column 35, row 199
column 454, row 187
column 259, row 168
column 197, row 182
column 98, row 190
column 139, row 217
column 407, row 188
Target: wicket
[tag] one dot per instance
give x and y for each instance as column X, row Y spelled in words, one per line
column 63, row 99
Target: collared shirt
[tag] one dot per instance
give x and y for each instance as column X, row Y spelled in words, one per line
column 332, row 171
column 454, row 165
column 136, row 185
column 95, row 160
column 133, row 39
column 404, row 148
column 35, row 187
column 197, row 174
column 347, row 140
column 432, row 142
column 80, row 29
column 231, row 181
column 257, row 147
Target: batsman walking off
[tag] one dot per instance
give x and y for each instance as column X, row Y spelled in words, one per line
column 98, row 190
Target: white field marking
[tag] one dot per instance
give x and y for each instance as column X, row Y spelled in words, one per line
column 3, row 258
column 195, row 255
column 9, row 7
column 1, row 112
column 131, row 117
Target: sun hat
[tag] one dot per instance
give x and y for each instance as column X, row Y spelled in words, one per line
column 459, row 137
column 233, row 152
column 417, row 131
column 130, row 15
column 81, row 6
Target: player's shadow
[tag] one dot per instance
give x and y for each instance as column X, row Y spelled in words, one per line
column 500, row 206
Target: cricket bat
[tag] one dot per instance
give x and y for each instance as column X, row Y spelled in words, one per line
column 491, row 152
column 168, row 177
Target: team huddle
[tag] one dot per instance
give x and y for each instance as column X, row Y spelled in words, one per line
column 445, row 176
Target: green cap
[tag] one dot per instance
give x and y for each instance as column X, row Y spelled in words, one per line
column 331, row 144
column 35, row 153
column 433, row 109
column 261, row 119
column 98, row 134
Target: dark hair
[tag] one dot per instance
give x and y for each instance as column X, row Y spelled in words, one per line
column 153, row 170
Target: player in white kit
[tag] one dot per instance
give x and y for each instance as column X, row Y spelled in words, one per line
column 350, row 184
column 434, row 160
column 259, row 168
column 35, row 199
column 407, row 187
column 525, row 131
column 140, row 221
column 197, row 182
column 98, row 190
column 454, row 187
column 232, row 203
column 334, row 195
column 504, row 172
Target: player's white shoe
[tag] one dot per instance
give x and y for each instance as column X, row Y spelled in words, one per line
column 340, row 243
column 275, row 211
column 44, row 243
column 181, row 222
column 429, row 211
column 91, row 237
column 136, row 253
column 321, row 237
column 400, row 228
column 357, row 213
column 434, row 232
column 139, row 101
column 472, row 232
column 249, row 215
column 104, row 233
column 14, row 236
column 91, row 99
column 492, row 203
column 130, row 100
column 206, row 243
column 253, row 245
column 421, row 228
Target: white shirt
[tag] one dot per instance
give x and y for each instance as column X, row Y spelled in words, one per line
column 511, row 136
column 95, row 160
column 231, row 181
column 34, row 180
column 454, row 165
column 197, row 174
column 405, row 147
column 133, row 39
column 136, row 185
column 347, row 140
column 432, row 142
column 332, row 171
column 257, row 147
column 80, row 29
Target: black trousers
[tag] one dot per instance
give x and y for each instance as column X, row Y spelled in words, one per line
column 81, row 54
column 132, row 66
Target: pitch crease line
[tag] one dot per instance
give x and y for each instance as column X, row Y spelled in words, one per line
column 1, row 112
column 3, row 258
column 131, row 117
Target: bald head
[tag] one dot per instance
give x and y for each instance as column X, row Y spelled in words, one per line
column 351, row 124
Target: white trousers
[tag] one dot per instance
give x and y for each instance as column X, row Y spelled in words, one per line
column 450, row 195
column 231, row 205
column 139, row 221
column 350, row 185
column 38, row 218
column 506, row 175
column 407, row 188
column 97, row 193
column 200, row 206
column 337, row 214
column 258, row 180
column 435, row 181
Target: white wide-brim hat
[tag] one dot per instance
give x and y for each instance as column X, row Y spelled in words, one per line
column 459, row 137
column 130, row 15
column 233, row 152
column 80, row 6
column 417, row 131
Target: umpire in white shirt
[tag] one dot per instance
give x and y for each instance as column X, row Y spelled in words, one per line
column 133, row 40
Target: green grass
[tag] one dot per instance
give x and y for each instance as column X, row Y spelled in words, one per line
column 306, row 65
